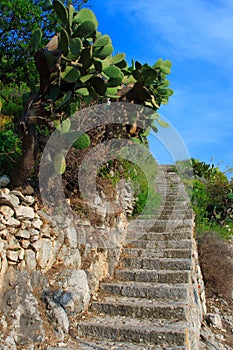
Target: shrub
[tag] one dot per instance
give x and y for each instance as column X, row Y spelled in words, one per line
column 10, row 147
column 216, row 263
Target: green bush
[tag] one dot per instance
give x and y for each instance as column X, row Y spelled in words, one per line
column 144, row 192
column 10, row 149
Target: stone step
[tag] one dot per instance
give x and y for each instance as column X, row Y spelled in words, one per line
column 152, row 276
column 160, row 244
column 156, row 263
column 157, row 253
column 176, row 235
column 141, row 308
column 146, row 290
column 163, row 332
column 91, row 344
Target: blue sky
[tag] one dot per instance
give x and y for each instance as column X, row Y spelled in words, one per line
column 197, row 36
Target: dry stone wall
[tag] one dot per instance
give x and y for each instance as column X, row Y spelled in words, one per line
column 47, row 275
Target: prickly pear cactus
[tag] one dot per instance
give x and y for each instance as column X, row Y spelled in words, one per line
column 84, row 70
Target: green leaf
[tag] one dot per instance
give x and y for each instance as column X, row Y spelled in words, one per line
column 85, row 15
column 98, row 64
column 36, row 39
column 54, row 92
column 112, row 72
column 82, row 142
column 167, row 63
column 65, row 99
column 118, row 58
column 102, row 41
column 71, row 75
column 154, row 128
column 86, row 58
column 85, row 29
column 71, row 10
column 112, row 91
column 135, row 140
column 76, row 46
column 99, row 86
column 65, row 126
column 113, row 82
column 61, row 11
column 85, row 78
column 59, row 163
column 83, row 91
column 164, row 69
column 47, row 5
column 103, row 52
column 138, row 65
column 158, row 63
column 63, row 42
column 149, row 76
column 162, row 123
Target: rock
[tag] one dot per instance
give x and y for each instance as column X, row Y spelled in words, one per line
column 24, row 234
column 12, row 255
column 13, row 222
column 6, row 211
column 4, row 181
column 30, row 260
column 214, row 320
column 25, row 243
column 70, row 257
column 44, row 252
column 2, row 244
column 21, row 307
column 71, row 236
column 29, row 200
column 9, row 198
column 23, row 212
column 71, row 290
column 37, row 224
column 57, row 315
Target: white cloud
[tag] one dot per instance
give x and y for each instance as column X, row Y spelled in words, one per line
column 191, row 28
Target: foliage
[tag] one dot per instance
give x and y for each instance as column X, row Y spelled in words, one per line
column 19, row 19
column 212, row 199
column 144, row 193
column 13, row 99
column 215, row 257
column 10, row 146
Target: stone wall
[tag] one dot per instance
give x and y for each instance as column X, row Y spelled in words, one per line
column 49, row 274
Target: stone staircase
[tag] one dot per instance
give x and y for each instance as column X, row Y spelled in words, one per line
column 150, row 303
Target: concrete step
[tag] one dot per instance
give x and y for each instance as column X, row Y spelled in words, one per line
column 157, row 253
column 152, row 276
column 121, row 329
column 141, row 308
column 146, row 290
column 156, row 263
column 160, row 244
